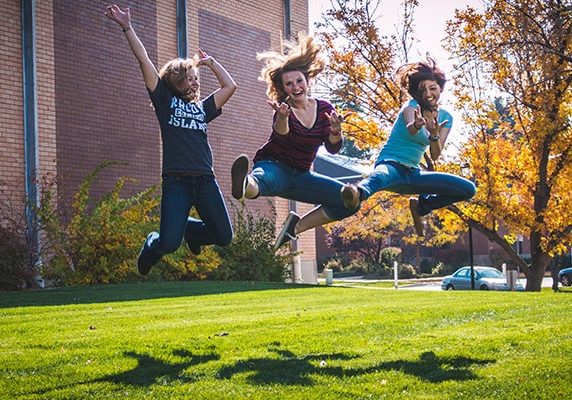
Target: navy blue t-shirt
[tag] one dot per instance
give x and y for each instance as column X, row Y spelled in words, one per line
column 186, row 149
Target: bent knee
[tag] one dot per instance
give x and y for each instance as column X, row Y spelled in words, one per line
column 470, row 191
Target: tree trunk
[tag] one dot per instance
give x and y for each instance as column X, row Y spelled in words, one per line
column 536, row 271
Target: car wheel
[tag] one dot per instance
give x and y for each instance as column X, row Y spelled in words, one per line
column 450, row 287
column 566, row 280
column 484, row 287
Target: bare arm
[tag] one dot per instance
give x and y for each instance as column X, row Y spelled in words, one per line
column 148, row 69
column 227, row 84
column 440, row 132
column 336, row 126
column 414, row 120
column 282, row 113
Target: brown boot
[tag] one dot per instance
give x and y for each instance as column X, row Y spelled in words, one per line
column 417, row 219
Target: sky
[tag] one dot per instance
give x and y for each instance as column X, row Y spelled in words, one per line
column 430, row 22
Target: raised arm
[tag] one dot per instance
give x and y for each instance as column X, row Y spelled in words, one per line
column 227, row 84
column 148, row 69
column 281, row 125
column 437, row 136
column 415, row 120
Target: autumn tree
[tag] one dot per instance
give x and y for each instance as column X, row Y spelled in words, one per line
column 513, row 87
column 520, row 156
column 360, row 77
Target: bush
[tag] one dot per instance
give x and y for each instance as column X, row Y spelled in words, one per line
column 442, row 269
column 250, row 256
column 101, row 240
column 13, row 260
column 335, row 264
column 19, row 250
column 389, row 255
column 180, row 266
column 406, row 271
column 426, row 266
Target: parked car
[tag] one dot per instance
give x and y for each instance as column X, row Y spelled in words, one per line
column 565, row 276
column 486, row 278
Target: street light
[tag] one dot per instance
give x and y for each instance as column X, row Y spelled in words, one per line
column 465, row 171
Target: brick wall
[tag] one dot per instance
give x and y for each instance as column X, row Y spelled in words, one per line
column 103, row 109
column 92, row 101
column 11, row 113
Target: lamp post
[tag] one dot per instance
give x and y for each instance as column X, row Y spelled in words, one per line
column 471, row 257
column 465, row 170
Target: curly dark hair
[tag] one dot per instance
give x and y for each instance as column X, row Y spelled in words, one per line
column 410, row 76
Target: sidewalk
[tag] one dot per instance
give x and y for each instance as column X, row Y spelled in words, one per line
column 409, row 284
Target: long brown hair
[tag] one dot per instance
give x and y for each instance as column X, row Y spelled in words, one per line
column 302, row 55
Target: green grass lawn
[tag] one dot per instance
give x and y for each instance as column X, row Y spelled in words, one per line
column 211, row 340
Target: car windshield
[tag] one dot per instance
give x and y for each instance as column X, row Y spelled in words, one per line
column 491, row 273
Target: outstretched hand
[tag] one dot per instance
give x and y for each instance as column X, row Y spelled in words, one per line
column 418, row 120
column 336, row 121
column 433, row 125
column 115, row 13
column 282, row 109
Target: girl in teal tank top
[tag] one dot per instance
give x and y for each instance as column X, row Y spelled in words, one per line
column 420, row 125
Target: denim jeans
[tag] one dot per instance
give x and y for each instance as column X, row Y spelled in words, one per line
column 436, row 189
column 179, row 194
column 279, row 179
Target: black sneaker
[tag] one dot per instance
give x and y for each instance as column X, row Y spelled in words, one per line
column 238, row 174
column 350, row 196
column 287, row 233
column 144, row 264
column 417, row 219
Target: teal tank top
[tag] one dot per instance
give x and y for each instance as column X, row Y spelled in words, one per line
column 405, row 148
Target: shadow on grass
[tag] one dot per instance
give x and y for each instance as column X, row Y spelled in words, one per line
column 289, row 369
column 435, row 369
column 286, row 369
column 132, row 292
column 148, row 371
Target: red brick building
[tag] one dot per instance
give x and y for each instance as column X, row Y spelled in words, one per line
column 72, row 94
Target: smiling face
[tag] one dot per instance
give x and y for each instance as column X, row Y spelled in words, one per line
column 189, row 86
column 295, row 85
column 429, row 92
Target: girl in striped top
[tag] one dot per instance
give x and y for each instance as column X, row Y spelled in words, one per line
column 301, row 124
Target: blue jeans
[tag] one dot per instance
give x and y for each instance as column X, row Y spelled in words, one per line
column 179, row 194
column 436, row 189
column 279, row 179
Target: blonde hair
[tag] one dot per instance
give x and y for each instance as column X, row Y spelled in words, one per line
column 302, row 55
column 174, row 72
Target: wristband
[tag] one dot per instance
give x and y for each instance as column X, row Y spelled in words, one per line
column 434, row 138
column 126, row 29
